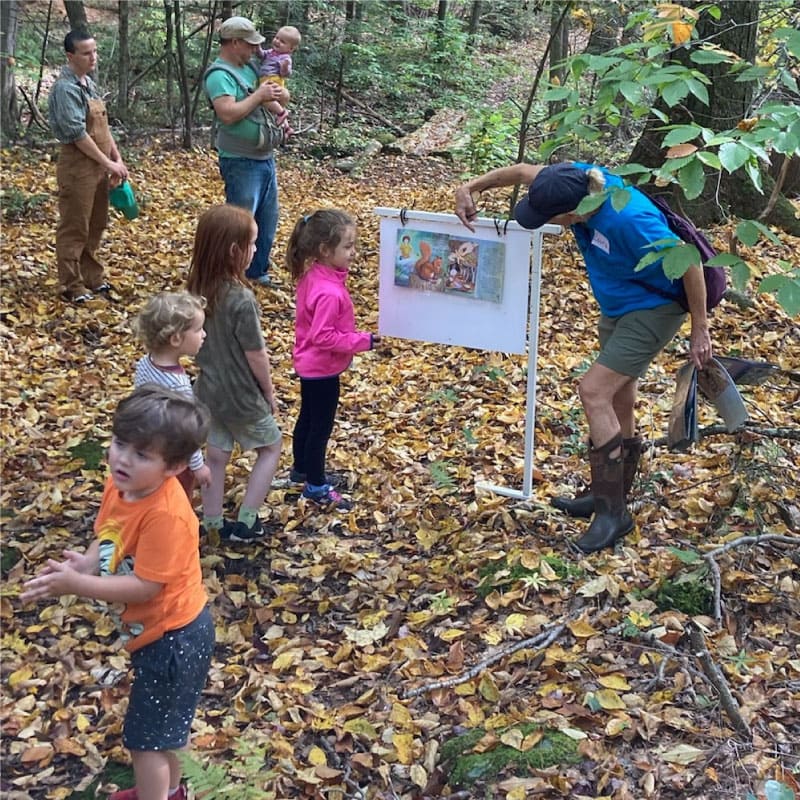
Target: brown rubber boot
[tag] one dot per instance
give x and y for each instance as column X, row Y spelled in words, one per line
column 583, row 504
column 611, row 518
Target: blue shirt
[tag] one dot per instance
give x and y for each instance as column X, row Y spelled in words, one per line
column 68, row 105
column 612, row 243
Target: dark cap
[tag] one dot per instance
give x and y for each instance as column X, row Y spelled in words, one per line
column 555, row 190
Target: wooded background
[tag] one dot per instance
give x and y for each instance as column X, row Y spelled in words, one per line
column 704, row 104
column 437, row 641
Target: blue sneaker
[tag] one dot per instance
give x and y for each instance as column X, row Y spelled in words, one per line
column 332, row 479
column 328, row 499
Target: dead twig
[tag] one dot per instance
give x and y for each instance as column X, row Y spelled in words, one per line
column 715, row 677
column 370, row 112
column 36, row 115
column 716, row 430
column 540, row 641
column 713, row 567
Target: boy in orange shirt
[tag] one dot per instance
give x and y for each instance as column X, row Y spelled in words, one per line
column 145, row 557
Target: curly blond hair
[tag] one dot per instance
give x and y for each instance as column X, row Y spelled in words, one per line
column 164, row 315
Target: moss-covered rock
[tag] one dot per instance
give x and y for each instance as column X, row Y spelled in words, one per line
column 114, row 772
column 466, row 767
column 688, row 592
column 499, row 574
column 90, row 451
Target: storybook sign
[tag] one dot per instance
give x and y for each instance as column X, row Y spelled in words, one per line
column 440, row 282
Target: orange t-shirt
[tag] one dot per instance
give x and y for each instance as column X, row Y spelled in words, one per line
column 157, row 539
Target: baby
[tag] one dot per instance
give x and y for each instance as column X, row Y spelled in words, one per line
column 276, row 65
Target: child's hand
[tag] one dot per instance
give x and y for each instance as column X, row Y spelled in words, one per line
column 80, row 562
column 203, row 476
column 274, row 405
column 57, row 578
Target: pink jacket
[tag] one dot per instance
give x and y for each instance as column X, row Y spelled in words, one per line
column 325, row 327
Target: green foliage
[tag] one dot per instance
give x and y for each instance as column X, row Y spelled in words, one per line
column 498, row 575
column 491, row 139
column 90, row 451
column 441, row 475
column 469, row 436
column 9, row 558
column 688, row 592
column 17, row 204
column 626, row 81
column 632, row 626
column 492, row 373
column 114, row 772
column 239, row 779
column 466, row 768
column 443, row 396
column 442, row 603
column 785, row 287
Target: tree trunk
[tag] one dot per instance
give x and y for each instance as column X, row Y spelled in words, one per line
column 124, row 60
column 9, row 110
column 474, row 19
column 169, row 53
column 441, row 18
column 207, row 44
column 559, row 50
column 76, row 14
column 729, row 102
column 183, row 79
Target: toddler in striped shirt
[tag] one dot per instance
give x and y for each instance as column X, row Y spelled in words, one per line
column 171, row 326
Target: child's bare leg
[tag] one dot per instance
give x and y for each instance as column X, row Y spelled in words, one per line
column 262, row 475
column 274, row 107
column 175, row 771
column 213, row 494
column 152, row 771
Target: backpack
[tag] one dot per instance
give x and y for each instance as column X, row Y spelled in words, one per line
column 685, row 230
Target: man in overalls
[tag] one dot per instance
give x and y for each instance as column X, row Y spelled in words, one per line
column 88, row 163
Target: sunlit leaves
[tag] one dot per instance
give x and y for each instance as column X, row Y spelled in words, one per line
column 322, row 629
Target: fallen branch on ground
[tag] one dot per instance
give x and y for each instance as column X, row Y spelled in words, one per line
column 716, row 430
column 717, row 680
column 542, row 640
column 742, row 540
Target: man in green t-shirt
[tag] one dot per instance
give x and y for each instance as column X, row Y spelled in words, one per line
column 246, row 156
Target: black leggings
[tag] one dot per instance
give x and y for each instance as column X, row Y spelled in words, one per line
column 318, row 401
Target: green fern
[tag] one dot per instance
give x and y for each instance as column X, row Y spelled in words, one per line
column 216, row 782
column 441, row 476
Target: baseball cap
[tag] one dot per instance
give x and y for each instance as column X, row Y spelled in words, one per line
column 555, row 190
column 240, row 28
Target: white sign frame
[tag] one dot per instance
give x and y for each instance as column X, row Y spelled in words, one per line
column 499, row 324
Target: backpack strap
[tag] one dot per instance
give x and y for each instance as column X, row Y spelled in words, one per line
column 270, row 135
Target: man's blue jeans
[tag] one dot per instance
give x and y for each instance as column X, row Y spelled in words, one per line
column 253, row 184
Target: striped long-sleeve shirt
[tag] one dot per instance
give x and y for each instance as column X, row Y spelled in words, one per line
column 174, row 378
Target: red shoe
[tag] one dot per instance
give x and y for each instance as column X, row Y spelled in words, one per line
column 124, row 794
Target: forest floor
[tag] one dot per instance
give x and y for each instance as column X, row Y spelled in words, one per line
column 568, row 675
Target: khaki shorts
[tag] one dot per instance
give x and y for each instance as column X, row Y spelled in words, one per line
column 249, row 435
column 629, row 343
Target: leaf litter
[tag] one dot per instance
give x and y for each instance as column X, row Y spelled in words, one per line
column 331, row 632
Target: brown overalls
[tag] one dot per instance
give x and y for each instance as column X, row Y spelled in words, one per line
column 83, row 207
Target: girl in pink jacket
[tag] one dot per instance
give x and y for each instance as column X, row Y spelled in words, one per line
column 321, row 248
